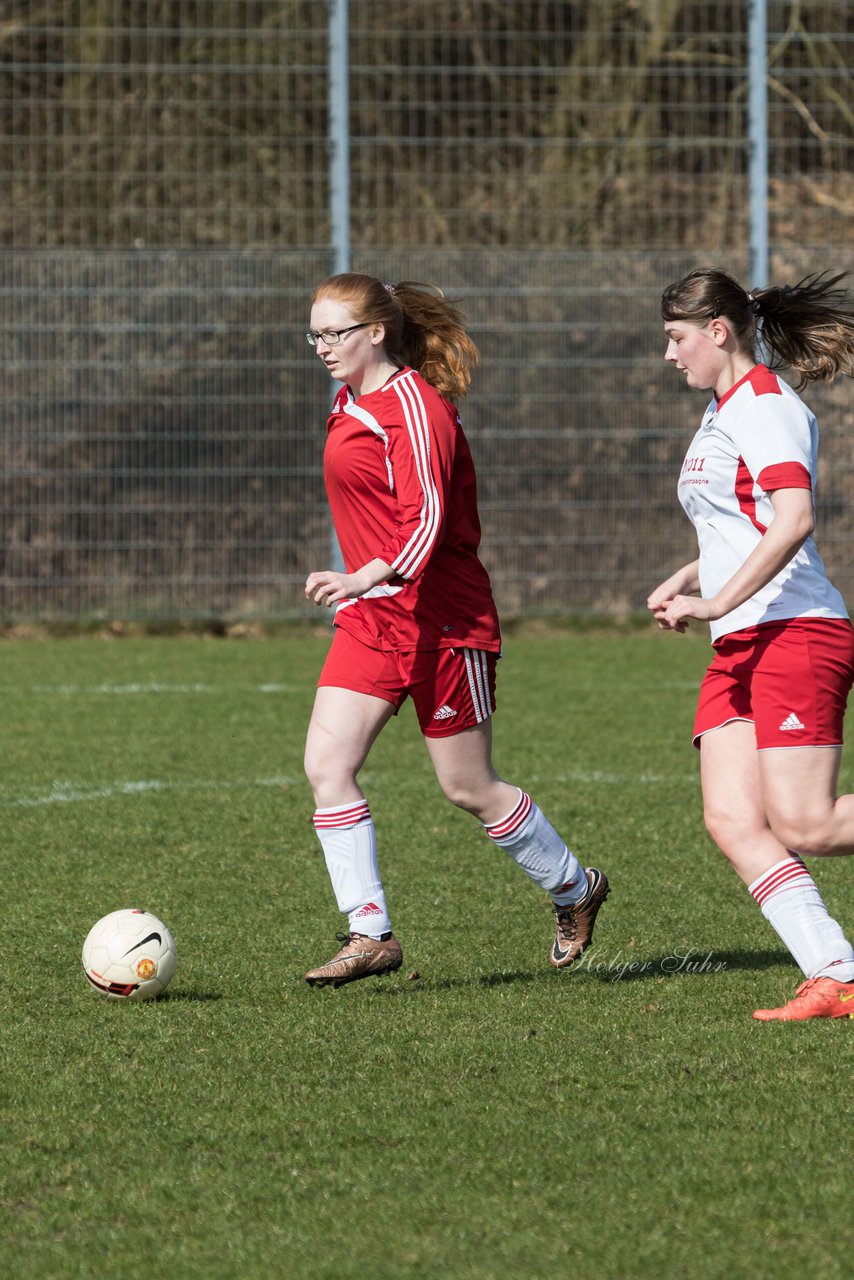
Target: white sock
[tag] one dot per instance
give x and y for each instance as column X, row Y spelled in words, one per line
column 349, row 841
column 526, row 834
column 792, row 905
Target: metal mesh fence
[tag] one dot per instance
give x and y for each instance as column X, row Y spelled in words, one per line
column 160, row 451
column 551, row 165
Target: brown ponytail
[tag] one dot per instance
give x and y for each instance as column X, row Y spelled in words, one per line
column 808, row 326
column 422, row 328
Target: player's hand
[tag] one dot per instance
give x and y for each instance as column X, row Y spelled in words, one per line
column 679, row 584
column 659, row 612
column 328, row 587
column 675, row 613
column 659, row 601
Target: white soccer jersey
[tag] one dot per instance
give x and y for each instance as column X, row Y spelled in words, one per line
column 757, row 438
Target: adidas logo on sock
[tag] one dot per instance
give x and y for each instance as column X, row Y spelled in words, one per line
column 792, row 722
column 444, row 713
column 369, row 909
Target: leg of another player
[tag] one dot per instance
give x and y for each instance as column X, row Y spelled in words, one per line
column 734, row 811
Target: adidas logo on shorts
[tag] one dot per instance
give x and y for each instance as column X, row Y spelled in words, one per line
column 792, row 722
column 445, row 713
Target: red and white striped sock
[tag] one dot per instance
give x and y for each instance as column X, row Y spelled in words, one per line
column 526, row 834
column 349, row 842
column 791, row 903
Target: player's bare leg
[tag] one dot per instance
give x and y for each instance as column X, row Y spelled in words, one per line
column 343, row 728
column 799, row 790
column 733, row 806
column 464, row 768
column 467, row 776
column 734, row 809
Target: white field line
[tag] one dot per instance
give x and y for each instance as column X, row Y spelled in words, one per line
column 69, row 793
column 600, row 777
column 156, row 687
column 151, row 687
column 63, row 792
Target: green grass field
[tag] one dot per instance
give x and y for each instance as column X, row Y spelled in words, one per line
column 476, row 1117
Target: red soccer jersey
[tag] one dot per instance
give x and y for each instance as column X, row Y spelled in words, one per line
column 402, row 488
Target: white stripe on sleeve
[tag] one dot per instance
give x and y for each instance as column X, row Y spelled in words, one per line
column 418, row 547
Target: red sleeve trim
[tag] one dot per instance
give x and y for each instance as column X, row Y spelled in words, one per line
column 785, row 475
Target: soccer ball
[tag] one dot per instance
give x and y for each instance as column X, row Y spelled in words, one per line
column 129, row 955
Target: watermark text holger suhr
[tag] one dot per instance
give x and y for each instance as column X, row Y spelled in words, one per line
column 618, row 965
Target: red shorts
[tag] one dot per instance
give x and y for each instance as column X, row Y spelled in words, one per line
column 791, row 679
column 452, row 689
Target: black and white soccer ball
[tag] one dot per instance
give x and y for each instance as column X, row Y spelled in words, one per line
column 129, row 955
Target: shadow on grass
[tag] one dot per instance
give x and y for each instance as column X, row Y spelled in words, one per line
column 190, row 997
column 392, row 988
column 504, row 979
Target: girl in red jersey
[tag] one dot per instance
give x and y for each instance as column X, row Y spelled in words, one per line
column 415, row 615
column 769, row 720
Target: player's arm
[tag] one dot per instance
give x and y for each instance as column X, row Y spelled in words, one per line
column 794, row 521
column 684, row 581
column 421, row 455
column 328, row 587
column 420, row 490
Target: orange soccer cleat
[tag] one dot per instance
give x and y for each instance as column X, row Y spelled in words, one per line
column 815, row 998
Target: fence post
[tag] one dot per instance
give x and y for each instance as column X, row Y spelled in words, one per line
column 758, row 131
column 339, row 165
column 339, row 135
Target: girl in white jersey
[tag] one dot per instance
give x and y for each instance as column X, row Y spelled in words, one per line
column 772, row 702
column 415, row 615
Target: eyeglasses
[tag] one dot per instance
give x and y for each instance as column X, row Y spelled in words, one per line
column 331, row 336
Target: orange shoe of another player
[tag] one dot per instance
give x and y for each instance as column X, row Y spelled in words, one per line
column 815, row 998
